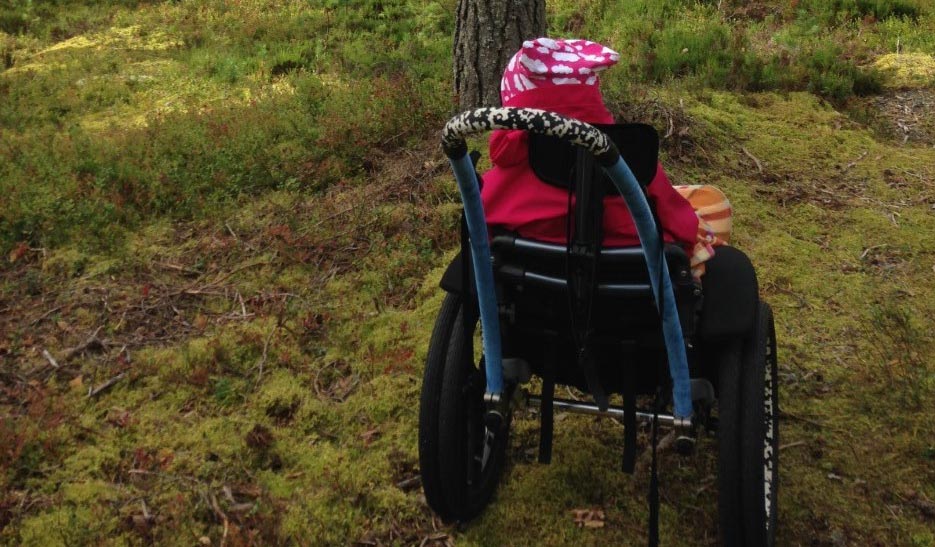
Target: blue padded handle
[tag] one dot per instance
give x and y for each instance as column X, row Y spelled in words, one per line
column 653, row 250
column 483, row 271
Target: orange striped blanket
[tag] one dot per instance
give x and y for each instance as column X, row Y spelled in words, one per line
column 714, row 222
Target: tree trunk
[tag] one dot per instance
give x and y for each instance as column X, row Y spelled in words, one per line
column 487, row 34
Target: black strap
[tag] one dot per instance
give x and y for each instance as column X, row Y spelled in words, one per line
column 467, row 289
column 660, row 389
column 654, row 485
column 654, row 471
column 546, row 409
column 629, row 418
column 583, row 259
column 586, row 364
column 468, row 293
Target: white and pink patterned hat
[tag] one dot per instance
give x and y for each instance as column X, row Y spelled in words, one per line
column 548, row 63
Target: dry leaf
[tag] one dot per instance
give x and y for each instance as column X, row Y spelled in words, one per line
column 588, row 518
column 119, row 418
column 18, row 251
column 77, row 381
column 241, row 507
column 370, row 436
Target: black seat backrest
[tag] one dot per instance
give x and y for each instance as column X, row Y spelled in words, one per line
column 617, row 273
column 554, row 161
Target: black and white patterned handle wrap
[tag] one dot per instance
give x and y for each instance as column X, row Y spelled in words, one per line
column 527, row 119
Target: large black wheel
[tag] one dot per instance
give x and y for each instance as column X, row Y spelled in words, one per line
column 429, row 403
column 759, row 432
column 728, row 359
column 748, row 436
column 461, row 457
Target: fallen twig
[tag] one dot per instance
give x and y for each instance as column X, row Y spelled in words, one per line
column 663, row 445
column 50, row 359
column 803, row 303
column 93, row 342
column 706, row 483
column 191, row 289
column 169, row 476
column 44, row 315
column 231, row 231
column 792, row 445
column 864, row 254
column 237, row 238
column 853, row 163
column 198, row 292
column 178, row 268
column 759, row 166
column 243, row 307
column 262, row 361
column 408, row 484
column 94, row 392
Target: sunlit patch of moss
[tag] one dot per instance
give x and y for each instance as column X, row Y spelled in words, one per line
column 133, row 37
column 67, row 52
column 907, row 70
column 152, row 87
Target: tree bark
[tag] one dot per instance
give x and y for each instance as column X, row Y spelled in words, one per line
column 487, row 34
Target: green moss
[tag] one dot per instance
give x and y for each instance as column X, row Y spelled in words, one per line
column 73, row 524
column 232, row 140
column 907, row 69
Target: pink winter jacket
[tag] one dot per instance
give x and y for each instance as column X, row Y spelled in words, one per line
column 516, row 199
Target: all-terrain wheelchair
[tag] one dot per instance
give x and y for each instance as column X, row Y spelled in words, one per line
column 627, row 321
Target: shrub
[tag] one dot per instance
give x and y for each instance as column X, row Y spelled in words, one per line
column 833, row 77
column 829, row 12
column 699, row 47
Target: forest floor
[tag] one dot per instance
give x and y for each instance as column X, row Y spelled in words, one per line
column 248, row 371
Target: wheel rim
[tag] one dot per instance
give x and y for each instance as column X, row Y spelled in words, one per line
column 481, row 444
column 474, row 426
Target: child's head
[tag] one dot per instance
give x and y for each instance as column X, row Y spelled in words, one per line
column 559, row 76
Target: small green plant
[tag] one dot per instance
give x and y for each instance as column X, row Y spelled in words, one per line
column 224, row 391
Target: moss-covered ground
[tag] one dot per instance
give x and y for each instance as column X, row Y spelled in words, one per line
column 223, row 224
